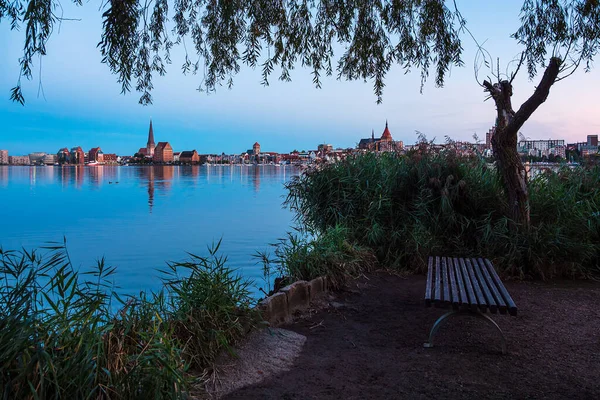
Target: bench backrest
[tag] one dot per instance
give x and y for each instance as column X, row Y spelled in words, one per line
column 466, row 283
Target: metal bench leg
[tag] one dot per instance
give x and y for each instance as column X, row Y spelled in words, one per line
column 441, row 320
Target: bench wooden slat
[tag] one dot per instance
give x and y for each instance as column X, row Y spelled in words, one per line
column 445, row 281
column 429, row 282
column 453, row 285
column 488, row 278
column 464, row 298
column 512, row 307
column 438, row 283
column 489, row 298
column 480, row 299
column 468, row 284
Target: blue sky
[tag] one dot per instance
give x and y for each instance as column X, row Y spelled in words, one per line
column 83, row 105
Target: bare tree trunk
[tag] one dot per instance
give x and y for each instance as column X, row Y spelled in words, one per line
column 504, row 141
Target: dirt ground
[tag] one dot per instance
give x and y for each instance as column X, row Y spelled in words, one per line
column 368, row 344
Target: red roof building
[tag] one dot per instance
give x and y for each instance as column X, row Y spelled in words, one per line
column 386, row 136
column 163, row 153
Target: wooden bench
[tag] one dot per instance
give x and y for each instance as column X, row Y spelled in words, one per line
column 470, row 286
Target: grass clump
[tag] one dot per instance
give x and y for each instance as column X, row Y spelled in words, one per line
column 66, row 334
column 302, row 256
column 407, row 207
column 212, row 306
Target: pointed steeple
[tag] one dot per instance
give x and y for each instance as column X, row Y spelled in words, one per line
column 372, row 135
column 386, row 136
column 150, row 145
column 151, row 135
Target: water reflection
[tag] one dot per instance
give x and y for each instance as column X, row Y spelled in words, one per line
column 155, row 177
column 3, row 176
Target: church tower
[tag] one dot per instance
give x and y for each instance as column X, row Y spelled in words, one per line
column 150, row 145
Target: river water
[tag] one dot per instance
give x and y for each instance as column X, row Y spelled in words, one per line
column 139, row 217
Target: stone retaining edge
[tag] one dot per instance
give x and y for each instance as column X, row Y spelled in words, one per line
column 279, row 308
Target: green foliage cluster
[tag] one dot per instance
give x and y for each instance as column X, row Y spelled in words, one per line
column 301, row 256
column 61, row 336
column 407, row 207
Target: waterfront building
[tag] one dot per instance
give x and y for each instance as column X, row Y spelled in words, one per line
column 77, row 156
column 50, row 159
column 63, row 156
column 541, row 148
column 37, row 158
column 189, row 157
column 163, row 153
column 3, row 157
column 488, row 137
column 19, row 160
column 176, row 156
column 96, row 155
column 110, row 158
column 384, row 143
column 256, row 148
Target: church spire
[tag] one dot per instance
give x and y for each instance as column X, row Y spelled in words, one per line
column 151, row 135
column 150, row 145
column 372, row 135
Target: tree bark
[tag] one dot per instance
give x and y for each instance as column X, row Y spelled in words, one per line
column 504, row 140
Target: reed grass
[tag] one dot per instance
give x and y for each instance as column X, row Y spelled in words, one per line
column 303, row 256
column 407, row 207
column 65, row 334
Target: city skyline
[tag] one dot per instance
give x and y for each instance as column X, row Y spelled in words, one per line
column 80, row 101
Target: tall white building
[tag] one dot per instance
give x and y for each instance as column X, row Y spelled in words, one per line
column 540, row 148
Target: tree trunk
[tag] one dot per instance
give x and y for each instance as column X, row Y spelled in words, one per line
column 511, row 169
column 504, row 141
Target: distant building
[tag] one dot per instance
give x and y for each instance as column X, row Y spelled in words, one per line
column 37, row 158
column 176, row 156
column 189, row 157
column 256, row 148
column 19, row 160
column 592, row 140
column 541, row 148
column 77, row 156
column 163, row 153
column 50, row 159
column 384, row 143
column 63, row 156
column 96, row 155
column 488, row 137
column 3, row 157
column 150, row 146
column 110, row 158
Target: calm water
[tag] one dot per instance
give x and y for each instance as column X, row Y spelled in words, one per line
column 140, row 217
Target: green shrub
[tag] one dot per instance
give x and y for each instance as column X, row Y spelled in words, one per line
column 407, row 207
column 301, row 256
column 212, row 306
column 66, row 334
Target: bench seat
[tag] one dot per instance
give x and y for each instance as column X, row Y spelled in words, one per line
column 466, row 283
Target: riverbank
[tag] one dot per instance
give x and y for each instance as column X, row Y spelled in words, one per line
column 368, row 344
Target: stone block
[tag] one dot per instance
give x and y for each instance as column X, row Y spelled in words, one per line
column 298, row 296
column 274, row 309
column 316, row 288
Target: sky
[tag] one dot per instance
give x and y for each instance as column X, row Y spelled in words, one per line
column 82, row 105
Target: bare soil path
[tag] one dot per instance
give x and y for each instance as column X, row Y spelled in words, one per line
column 369, row 345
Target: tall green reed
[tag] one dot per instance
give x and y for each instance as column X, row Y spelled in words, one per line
column 407, row 207
column 65, row 334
